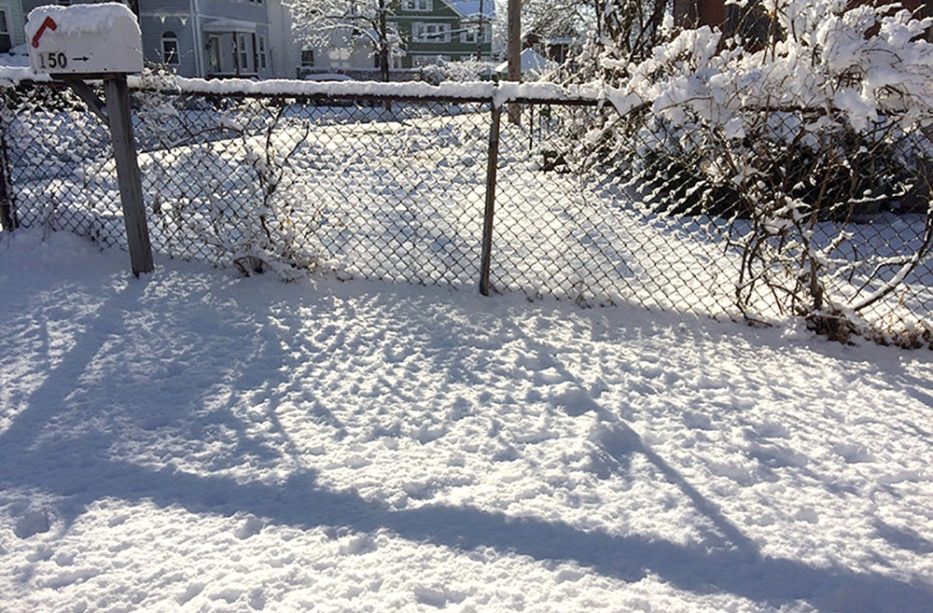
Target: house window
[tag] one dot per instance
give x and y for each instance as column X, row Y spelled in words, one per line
column 261, row 51
column 170, row 48
column 469, row 34
column 5, row 40
column 431, row 32
column 243, row 53
column 428, row 60
column 421, row 6
column 215, row 62
column 307, row 58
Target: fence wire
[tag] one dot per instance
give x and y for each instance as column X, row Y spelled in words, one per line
column 394, row 189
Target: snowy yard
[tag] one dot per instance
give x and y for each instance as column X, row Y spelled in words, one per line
column 197, row 441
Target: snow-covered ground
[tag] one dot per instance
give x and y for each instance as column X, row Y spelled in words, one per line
column 197, row 441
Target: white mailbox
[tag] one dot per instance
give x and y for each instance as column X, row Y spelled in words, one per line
column 84, row 39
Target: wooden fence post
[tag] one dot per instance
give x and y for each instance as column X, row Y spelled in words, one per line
column 491, row 173
column 131, row 191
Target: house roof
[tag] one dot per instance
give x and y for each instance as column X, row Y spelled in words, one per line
column 532, row 61
column 469, row 8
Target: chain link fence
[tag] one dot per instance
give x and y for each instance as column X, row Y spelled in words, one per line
column 587, row 207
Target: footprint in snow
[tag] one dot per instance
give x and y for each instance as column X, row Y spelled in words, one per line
column 853, row 453
column 438, row 598
column 357, row 545
column 697, row 421
column 775, row 456
column 257, row 600
column 767, row 429
column 190, row 592
column 251, row 526
column 32, row 522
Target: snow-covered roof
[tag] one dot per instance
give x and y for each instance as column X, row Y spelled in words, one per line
column 470, row 8
column 532, row 61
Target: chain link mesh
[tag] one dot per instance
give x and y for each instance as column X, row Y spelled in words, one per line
column 394, row 189
column 593, row 233
column 600, row 209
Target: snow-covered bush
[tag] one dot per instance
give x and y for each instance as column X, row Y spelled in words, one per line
column 224, row 180
column 807, row 132
column 461, row 70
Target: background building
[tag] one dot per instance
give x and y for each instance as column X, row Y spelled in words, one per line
column 200, row 38
column 429, row 31
column 12, row 20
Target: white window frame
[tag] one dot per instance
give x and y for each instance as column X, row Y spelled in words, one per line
column 470, row 34
column 428, row 59
column 418, row 6
column 261, row 52
column 440, row 34
column 244, row 47
column 166, row 57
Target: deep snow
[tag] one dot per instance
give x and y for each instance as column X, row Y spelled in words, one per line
column 193, row 440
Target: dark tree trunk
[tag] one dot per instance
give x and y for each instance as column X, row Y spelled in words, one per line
column 383, row 42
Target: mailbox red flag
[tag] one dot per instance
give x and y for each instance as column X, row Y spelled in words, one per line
column 48, row 24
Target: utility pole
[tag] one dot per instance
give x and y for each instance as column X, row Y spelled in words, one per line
column 480, row 36
column 515, row 53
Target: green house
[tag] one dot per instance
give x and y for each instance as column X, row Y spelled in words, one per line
column 444, row 30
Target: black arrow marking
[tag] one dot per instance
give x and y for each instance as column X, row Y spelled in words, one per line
column 80, row 59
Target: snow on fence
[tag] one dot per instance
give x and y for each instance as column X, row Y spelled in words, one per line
column 390, row 182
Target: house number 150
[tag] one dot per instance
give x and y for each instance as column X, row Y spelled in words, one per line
column 51, row 60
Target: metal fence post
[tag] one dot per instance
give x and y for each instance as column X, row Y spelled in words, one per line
column 8, row 219
column 131, row 191
column 514, row 51
column 491, row 172
column 7, row 214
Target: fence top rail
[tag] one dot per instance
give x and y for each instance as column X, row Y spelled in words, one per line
column 481, row 91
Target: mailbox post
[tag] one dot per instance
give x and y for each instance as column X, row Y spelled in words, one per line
column 100, row 42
